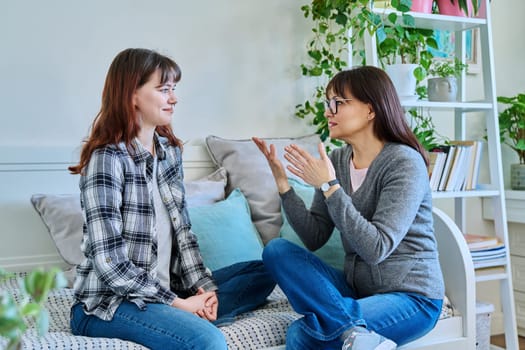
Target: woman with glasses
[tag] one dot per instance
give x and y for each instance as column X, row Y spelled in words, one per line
column 375, row 191
column 143, row 278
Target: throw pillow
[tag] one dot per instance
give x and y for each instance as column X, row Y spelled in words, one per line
column 207, row 190
column 225, row 232
column 248, row 170
column 62, row 216
column 63, row 219
column 332, row 252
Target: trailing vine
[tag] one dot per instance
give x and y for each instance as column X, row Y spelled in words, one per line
column 337, row 24
column 425, row 130
column 340, row 24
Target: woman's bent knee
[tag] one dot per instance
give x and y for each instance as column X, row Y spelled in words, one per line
column 275, row 248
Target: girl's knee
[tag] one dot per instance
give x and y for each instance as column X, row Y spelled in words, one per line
column 214, row 340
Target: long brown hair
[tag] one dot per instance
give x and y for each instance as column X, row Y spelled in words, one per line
column 117, row 119
column 372, row 85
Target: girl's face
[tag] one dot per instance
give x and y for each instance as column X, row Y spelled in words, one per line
column 154, row 102
column 348, row 118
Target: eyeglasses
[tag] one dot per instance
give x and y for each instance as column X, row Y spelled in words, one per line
column 332, row 103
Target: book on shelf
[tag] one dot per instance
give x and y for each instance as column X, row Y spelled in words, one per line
column 474, row 166
column 476, row 242
column 435, row 169
column 446, row 168
column 441, row 169
column 479, row 264
column 494, row 247
column 488, row 254
column 455, row 167
column 469, row 168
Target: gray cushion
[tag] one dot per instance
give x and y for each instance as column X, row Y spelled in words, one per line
column 62, row 215
column 248, row 170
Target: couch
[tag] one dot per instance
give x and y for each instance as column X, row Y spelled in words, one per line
column 230, row 192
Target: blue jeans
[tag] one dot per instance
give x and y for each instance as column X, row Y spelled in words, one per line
column 242, row 287
column 329, row 306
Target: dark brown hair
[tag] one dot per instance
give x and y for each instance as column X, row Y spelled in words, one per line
column 372, row 85
column 117, row 119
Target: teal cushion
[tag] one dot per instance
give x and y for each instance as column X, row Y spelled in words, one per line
column 225, row 232
column 332, row 252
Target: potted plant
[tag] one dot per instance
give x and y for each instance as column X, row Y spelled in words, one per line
column 459, row 7
column 424, row 6
column 403, row 51
column 35, row 287
column 442, row 86
column 512, row 133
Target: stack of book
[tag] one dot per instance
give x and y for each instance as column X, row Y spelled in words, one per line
column 455, row 167
column 485, row 250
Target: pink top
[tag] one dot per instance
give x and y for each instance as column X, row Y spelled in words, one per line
column 357, row 176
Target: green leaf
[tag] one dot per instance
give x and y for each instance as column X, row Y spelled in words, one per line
column 409, row 20
column 315, row 54
column 31, row 309
column 392, row 18
column 42, row 322
column 316, row 71
column 420, row 73
column 341, row 19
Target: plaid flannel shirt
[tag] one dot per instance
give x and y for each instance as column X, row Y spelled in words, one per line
column 119, row 222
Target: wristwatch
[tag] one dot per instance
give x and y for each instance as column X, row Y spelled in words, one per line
column 325, row 186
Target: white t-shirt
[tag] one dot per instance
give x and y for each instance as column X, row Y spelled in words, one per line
column 163, row 229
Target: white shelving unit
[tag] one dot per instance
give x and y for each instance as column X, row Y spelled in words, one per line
column 493, row 191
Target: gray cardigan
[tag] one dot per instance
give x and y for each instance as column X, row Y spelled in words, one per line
column 386, row 225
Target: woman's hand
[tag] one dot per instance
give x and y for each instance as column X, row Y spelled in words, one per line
column 278, row 171
column 313, row 171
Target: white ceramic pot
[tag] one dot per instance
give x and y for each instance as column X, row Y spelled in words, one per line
column 442, row 89
column 402, row 75
column 517, row 176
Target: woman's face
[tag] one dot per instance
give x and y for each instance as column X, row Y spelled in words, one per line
column 348, row 118
column 154, row 102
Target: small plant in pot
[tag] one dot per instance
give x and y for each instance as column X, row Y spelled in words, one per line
column 512, row 133
column 403, row 50
column 442, row 86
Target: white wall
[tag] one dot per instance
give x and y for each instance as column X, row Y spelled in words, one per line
column 509, row 51
column 240, row 61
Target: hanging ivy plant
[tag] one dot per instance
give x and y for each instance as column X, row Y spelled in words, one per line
column 336, row 25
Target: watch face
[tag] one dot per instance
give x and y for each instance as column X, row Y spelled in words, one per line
column 325, row 187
